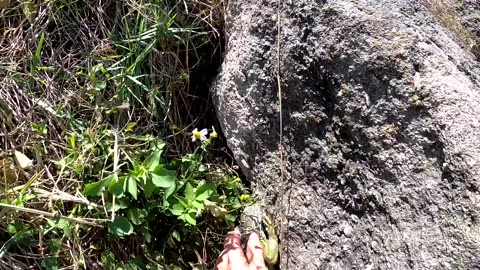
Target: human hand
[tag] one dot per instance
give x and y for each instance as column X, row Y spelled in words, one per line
column 233, row 258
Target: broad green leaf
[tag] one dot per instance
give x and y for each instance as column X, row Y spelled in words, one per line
column 28, row 197
column 95, row 189
column 118, row 186
column 166, row 203
column 61, row 224
column 15, row 227
column 119, row 204
column 190, row 218
column 132, row 186
column 230, row 217
column 120, row 227
column 177, row 209
column 188, row 158
column 108, row 260
column 198, row 205
column 164, row 178
column 139, row 171
column 55, row 245
column 50, row 263
column 99, row 85
column 153, row 160
column 183, row 201
column 97, row 68
column 202, row 168
column 204, row 191
column 235, row 204
column 169, row 191
column 148, row 186
column 158, row 145
column 67, row 231
column 189, row 193
column 137, row 216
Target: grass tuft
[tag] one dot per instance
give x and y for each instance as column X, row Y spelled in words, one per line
column 447, row 11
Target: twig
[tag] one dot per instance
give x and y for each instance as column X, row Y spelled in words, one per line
column 280, row 146
column 85, row 221
column 115, row 170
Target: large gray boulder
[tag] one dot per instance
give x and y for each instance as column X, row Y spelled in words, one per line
column 381, row 110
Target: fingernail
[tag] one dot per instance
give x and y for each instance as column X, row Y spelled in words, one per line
column 237, row 231
column 254, row 236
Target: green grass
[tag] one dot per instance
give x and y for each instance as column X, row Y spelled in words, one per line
column 97, row 166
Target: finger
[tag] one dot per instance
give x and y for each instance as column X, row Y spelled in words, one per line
column 255, row 252
column 253, row 245
column 222, row 261
column 236, row 257
column 231, row 240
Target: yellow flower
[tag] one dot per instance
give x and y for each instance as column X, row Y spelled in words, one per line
column 244, row 197
column 214, row 134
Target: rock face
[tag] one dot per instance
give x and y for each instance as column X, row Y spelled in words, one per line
column 381, row 110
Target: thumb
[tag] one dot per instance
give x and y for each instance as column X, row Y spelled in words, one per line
column 255, row 252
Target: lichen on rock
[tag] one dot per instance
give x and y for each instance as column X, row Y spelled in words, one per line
column 381, row 131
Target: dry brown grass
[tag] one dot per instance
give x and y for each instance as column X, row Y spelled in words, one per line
column 446, row 11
